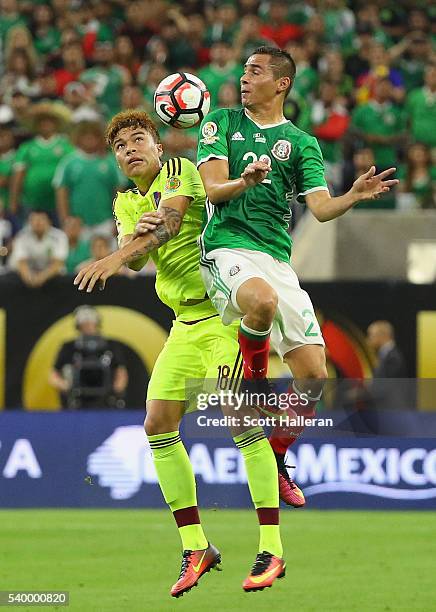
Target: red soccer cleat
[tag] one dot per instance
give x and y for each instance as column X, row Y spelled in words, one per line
column 265, row 570
column 289, row 492
column 195, row 563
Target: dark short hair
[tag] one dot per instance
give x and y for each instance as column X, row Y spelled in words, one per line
column 130, row 119
column 282, row 64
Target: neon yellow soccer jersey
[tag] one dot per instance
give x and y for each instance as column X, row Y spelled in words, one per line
column 258, row 219
column 178, row 281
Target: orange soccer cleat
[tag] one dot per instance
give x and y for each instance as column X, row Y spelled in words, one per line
column 195, row 563
column 289, row 492
column 265, row 570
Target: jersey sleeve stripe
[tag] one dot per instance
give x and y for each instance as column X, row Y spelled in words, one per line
column 212, row 156
column 320, row 188
column 179, row 166
column 167, row 164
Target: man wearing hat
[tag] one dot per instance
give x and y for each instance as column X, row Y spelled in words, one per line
column 37, row 159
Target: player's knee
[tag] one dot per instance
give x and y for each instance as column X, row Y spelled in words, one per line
column 264, row 306
column 155, row 425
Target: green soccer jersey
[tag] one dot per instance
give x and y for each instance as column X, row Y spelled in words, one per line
column 178, row 281
column 258, row 219
column 40, row 158
column 91, row 181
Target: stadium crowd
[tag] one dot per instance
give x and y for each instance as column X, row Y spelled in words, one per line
column 365, row 87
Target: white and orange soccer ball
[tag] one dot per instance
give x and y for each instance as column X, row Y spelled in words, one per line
column 181, row 100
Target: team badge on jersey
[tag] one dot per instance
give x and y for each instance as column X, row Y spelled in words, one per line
column 234, row 270
column 282, row 150
column 172, row 184
column 208, row 132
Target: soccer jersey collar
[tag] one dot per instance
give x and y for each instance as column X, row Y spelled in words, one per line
column 267, row 125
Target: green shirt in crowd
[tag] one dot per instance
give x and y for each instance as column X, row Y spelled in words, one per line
column 81, row 252
column 306, row 80
column 108, row 84
column 91, row 181
column 421, row 112
column 6, row 164
column 381, row 120
column 214, row 77
column 40, row 157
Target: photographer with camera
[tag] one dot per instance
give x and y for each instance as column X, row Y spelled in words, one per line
column 89, row 371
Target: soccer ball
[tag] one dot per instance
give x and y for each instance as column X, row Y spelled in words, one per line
column 181, row 100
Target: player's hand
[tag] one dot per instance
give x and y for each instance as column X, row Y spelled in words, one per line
column 370, row 186
column 148, row 222
column 255, row 173
column 98, row 272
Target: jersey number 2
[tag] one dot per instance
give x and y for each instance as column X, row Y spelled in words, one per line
column 262, row 158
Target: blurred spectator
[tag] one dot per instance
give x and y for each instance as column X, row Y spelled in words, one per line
column 106, row 78
column 224, row 26
column 149, row 78
column 39, row 250
column 125, row 55
column 362, row 160
column 89, row 372
column 6, row 231
column 16, row 113
column 277, row 26
column 36, row 161
column 81, row 102
column 19, row 74
column 333, row 69
column 86, row 181
column 78, row 248
column 381, row 338
column 330, row 122
column 357, row 62
column 339, row 22
column 19, row 38
column 421, row 108
column 7, row 157
column 45, row 86
column 180, row 143
column 379, row 68
column 101, row 246
column 197, row 35
column 73, row 65
column 137, row 27
column 250, row 37
column 306, row 78
column 175, row 34
column 229, row 96
column 417, row 188
column 46, row 35
column 222, row 69
column 380, row 124
column 9, row 17
column 131, row 97
column 411, row 55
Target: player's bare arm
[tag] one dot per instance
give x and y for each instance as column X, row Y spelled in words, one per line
column 172, row 212
column 369, row 186
column 218, row 186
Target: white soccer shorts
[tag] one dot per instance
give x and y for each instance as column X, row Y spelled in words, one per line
column 295, row 323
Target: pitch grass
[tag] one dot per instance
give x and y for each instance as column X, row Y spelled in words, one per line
column 124, row 560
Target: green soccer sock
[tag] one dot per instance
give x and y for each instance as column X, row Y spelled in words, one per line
column 177, row 482
column 261, row 468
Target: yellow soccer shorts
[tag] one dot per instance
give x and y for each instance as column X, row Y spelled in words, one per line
column 200, row 358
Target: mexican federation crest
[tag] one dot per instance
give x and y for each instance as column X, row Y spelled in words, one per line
column 282, row 150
